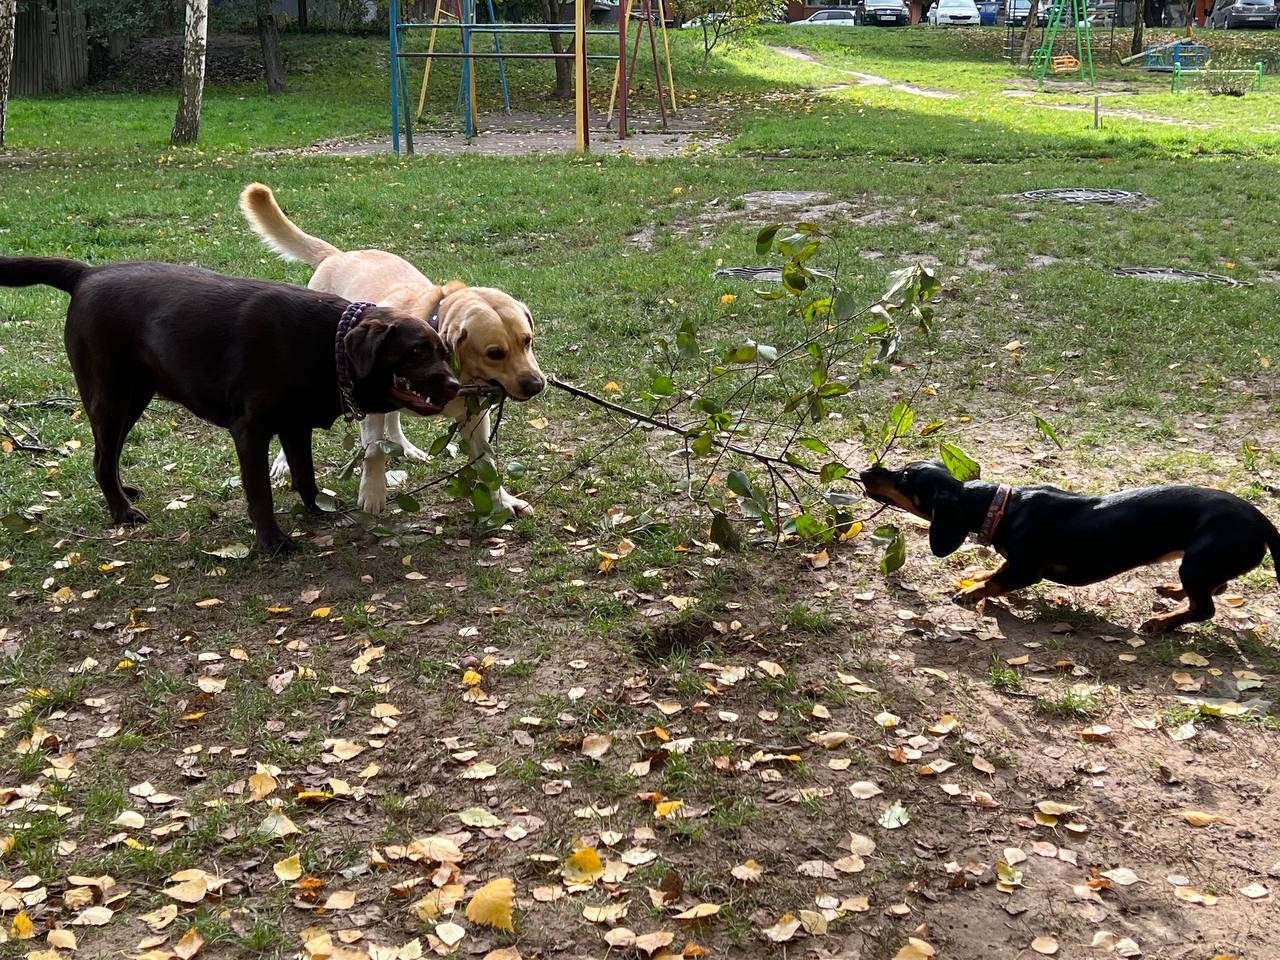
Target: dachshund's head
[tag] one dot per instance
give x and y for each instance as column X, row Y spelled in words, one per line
column 927, row 489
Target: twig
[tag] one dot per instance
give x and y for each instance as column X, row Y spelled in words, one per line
column 21, row 445
column 764, row 458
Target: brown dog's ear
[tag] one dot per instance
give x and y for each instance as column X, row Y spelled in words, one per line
column 947, row 529
column 362, row 345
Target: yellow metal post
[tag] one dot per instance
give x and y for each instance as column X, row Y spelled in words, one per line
column 617, row 70
column 581, row 102
column 666, row 46
column 431, row 48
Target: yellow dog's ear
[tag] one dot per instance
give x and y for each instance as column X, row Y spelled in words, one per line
column 438, row 305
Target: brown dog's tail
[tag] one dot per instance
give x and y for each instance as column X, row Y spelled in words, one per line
column 267, row 220
column 46, row 271
column 1273, row 544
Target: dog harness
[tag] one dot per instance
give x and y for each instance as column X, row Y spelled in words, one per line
column 350, row 319
column 995, row 513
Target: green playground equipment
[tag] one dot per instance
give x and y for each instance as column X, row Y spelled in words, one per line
column 1207, row 71
column 1045, row 60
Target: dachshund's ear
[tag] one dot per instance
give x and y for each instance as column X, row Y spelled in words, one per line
column 947, row 530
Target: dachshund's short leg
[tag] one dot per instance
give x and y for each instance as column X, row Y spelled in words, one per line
column 996, row 584
column 1171, row 591
column 1199, row 607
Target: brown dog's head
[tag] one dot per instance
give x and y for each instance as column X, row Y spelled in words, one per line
column 397, row 360
column 927, row 489
column 491, row 336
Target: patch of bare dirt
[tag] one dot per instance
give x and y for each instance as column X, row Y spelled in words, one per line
column 866, row 79
column 760, row 208
column 521, row 133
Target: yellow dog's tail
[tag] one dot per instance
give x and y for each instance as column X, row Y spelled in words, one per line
column 267, row 220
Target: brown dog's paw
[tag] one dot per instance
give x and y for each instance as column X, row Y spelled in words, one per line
column 131, row 517
column 275, row 543
column 132, row 492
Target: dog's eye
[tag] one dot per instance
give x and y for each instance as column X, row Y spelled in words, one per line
column 497, row 353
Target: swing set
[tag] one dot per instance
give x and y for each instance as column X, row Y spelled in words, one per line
column 463, row 16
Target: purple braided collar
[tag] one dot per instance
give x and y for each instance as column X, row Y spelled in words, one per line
column 350, row 319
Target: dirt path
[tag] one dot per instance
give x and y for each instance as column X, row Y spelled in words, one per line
column 866, row 79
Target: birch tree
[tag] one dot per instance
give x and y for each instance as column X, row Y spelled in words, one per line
column 186, row 125
column 8, row 13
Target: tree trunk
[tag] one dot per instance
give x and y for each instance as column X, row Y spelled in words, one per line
column 272, row 61
column 8, row 13
column 563, row 90
column 1028, row 31
column 1139, row 23
column 302, row 14
column 186, row 125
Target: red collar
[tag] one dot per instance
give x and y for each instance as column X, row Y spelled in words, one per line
column 995, row 513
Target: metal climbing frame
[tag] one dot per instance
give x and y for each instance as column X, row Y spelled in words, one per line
column 1044, row 58
column 465, row 21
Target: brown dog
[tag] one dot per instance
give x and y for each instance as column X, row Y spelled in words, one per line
column 261, row 359
column 489, row 332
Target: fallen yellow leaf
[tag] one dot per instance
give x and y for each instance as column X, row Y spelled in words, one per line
column 491, row 905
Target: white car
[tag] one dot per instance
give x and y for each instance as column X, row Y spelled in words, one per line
column 955, row 13
column 829, row 18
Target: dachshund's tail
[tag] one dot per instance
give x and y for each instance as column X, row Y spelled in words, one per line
column 46, row 271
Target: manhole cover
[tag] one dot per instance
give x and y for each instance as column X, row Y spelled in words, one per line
column 1084, row 195
column 1174, row 275
column 760, row 274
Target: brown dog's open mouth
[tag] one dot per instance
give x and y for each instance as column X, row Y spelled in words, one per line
column 411, row 399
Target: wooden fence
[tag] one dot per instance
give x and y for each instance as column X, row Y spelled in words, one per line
column 51, row 52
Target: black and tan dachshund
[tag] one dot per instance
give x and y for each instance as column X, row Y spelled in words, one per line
column 1045, row 533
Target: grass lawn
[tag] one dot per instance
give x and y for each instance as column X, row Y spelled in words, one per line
column 417, row 677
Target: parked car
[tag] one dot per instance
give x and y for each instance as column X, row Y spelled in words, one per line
column 829, row 18
column 1239, row 14
column 955, row 13
column 886, row 13
column 1017, row 11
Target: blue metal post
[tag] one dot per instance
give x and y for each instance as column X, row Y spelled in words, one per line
column 502, row 64
column 393, row 17
column 468, row 17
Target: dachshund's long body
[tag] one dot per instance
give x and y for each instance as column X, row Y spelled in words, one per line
column 1045, row 533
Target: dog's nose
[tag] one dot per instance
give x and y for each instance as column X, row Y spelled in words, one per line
column 532, row 385
column 446, row 388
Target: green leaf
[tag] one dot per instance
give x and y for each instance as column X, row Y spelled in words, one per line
column 1046, row 428
column 832, row 472
column 741, row 354
column 487, row 472
column 895, row 552
column 808, row 527
column 833, row 388
column 901, row 417
column 816, row 445
column 962, row 466
column 764, row 239
column 804, row 227
column 662, row 385
column 794, row 278
column 708, row 406
column 702, row 445
column 722, row 532
column 515, row 469
column 15, row 523
column 407, row 503
column 326, row 503
column 740, row 484
column 845, row 306
column 389, row 448
column 481, row 500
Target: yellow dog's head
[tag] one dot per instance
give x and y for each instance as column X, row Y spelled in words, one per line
column 491, row 336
